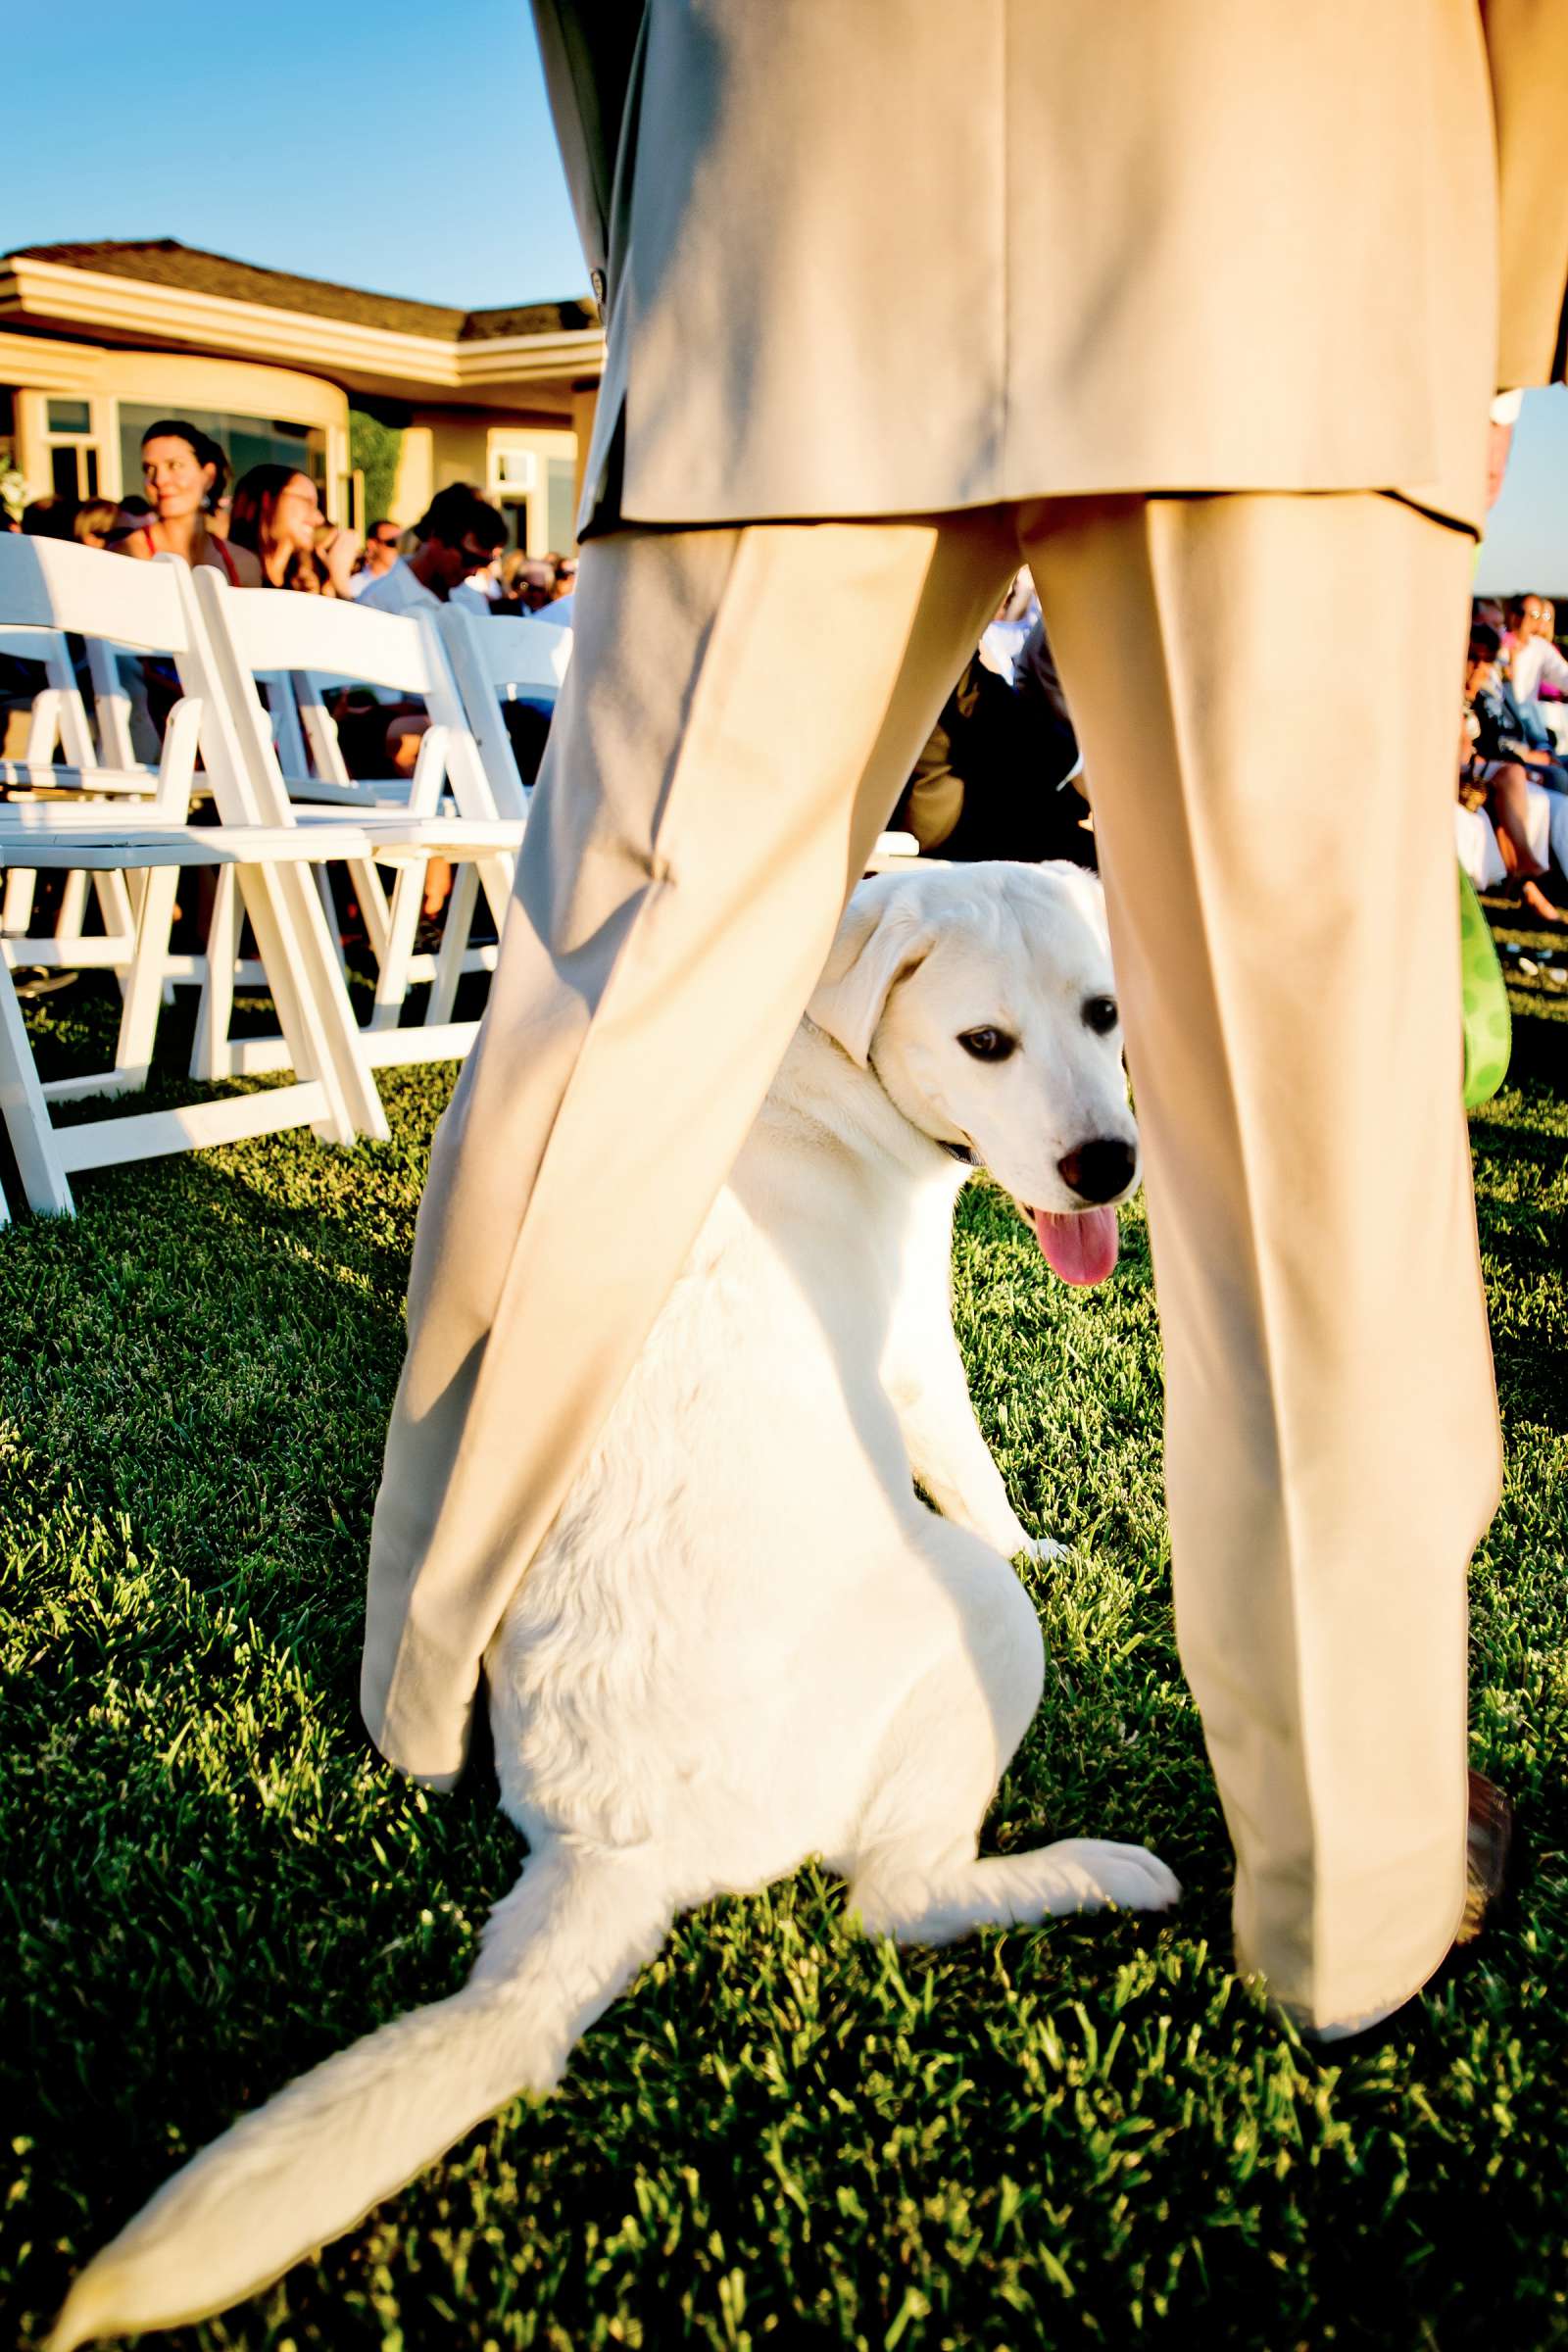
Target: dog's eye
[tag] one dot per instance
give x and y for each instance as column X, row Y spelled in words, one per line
column 1100, row 1015
column 988, row 1045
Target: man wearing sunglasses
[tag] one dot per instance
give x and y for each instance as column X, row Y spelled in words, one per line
column 460, row 534
column 381, row 553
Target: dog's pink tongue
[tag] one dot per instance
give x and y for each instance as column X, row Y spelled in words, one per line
column 1081, row 1247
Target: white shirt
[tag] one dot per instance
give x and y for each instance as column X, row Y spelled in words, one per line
column 477, row 595
column 398, row 591
column 360, row 581
column 1537, row 659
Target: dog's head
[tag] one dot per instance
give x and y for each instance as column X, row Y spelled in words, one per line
column 983, row 998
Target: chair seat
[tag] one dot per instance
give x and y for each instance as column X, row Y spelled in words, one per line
column 319, row 837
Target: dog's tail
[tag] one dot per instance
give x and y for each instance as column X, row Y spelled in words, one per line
column 313, row 2161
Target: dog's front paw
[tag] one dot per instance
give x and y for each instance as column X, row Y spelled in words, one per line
column 1095, row 1870
column 1037, row 1550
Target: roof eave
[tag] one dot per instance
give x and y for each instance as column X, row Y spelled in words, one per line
column 55, row 294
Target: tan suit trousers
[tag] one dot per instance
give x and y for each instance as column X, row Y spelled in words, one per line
column 1273, row 811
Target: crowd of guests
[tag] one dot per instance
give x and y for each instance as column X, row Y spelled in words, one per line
column 999, row 775
column 1514, row 714
column 267, row 530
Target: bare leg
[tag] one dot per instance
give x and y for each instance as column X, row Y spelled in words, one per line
column 1507, row 790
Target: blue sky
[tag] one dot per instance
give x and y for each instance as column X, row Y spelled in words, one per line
column 404, row 147
column 401, row 146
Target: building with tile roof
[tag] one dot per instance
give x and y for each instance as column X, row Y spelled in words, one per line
column 99, row 339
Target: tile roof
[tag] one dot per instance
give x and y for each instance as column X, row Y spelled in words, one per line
column 165, row 261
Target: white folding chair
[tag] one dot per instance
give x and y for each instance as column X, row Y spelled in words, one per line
column 499, row 661
column 495, row 662
column 257, row 633
column 52, row 585
column 59, row 721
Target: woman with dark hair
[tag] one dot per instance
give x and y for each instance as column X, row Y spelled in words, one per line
column 185, row 475
column 276, row 515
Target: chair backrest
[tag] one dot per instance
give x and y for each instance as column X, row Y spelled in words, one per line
column 59, row 714
column 116, row 719
column 52, row 585
column 256, row 632
column 495, row 660
column 283, row 709
column 278, row 629
column 513, row 655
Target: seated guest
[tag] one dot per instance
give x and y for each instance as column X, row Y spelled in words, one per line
column 460, row 534
column 1004, row 641
column 95, row 522
column 49, row 518
column 1499, row 786
column 527, row 584
column 134, row 512
column 276, row 513
column 993, row 779
column 377, row 556
column 185, row 475
column 478, row 591
column 557, row 609
column 1501, row 732
column 1534, row 662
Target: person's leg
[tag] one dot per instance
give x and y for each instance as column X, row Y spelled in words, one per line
column 1508, row 799
column 742, row 710
column 1294, row 1034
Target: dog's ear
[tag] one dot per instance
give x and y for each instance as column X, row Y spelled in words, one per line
column 880, row 941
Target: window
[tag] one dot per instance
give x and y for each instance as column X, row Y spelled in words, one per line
column 513, row 470
column 73, row 452
column 73, row 469
column 246, row 441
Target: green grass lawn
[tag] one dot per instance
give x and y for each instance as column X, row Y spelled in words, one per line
column 1090, row 2134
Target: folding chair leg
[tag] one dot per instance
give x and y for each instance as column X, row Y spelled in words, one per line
column 27, row 1113
column 210, row 1056
column 312, row 1002
column 114, row 902
column 323, row 890
column 454, row 943
column 72, row 907
column 144, row 983
column 392, row 980
column 16, row 909
column 371, row 896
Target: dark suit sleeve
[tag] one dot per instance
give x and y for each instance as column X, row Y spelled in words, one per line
column 587, row 48
column 1527, row 50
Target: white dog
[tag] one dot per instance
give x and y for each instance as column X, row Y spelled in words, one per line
column 746, row 1640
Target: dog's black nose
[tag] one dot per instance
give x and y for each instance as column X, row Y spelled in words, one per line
column 1097, row 1170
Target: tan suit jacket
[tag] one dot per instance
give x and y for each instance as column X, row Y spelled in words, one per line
column 897, row 256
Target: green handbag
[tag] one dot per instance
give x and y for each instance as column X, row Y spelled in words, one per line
column 1488, row 1029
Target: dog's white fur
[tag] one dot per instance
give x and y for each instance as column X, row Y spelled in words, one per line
column 746, row 1640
